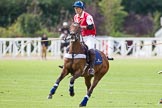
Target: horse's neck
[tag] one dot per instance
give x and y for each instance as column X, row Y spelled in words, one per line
column 76, row 48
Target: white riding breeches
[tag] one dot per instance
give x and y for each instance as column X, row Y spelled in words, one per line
column 89, row 41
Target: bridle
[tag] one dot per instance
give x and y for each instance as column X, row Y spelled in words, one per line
column 74, row 38
column 74, row 32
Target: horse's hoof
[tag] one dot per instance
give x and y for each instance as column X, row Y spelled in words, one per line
column 72, row 94
column 84, row 102
column 82, row 105
column 49, row 96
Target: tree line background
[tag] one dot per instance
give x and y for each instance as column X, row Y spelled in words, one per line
column 117, row 18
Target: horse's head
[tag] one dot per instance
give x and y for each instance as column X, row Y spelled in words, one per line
column 74, row 32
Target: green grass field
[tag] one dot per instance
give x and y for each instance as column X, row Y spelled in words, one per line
column 130, row 83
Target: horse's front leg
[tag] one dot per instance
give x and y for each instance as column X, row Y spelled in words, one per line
column 54, row 88
column 71, row 85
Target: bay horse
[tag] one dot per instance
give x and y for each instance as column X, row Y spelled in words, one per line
column 75, row 63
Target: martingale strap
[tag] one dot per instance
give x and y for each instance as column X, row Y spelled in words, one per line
column 75, row 56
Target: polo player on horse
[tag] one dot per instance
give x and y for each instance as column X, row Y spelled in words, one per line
column 75, row 61
column 88, row 31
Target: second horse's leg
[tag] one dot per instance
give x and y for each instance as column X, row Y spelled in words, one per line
column 71, row 85
column 53, row 90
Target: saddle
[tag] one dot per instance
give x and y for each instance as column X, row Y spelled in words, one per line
column 98, row 58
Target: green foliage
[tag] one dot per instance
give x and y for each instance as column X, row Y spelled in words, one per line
column 142, row 6
column 116, row 34
column 14, row 30
column 114, row 15
column 49, row 34
column 49, row 14
column 11, row 31
column 29, row 24
column 156, row 20
column 10, row 10
column 3, row 32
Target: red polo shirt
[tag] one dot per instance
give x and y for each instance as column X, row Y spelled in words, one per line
column 84, row 20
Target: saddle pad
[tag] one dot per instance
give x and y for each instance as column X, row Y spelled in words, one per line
column 98, row 58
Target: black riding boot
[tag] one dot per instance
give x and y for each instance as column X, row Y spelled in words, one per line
column 91, row 61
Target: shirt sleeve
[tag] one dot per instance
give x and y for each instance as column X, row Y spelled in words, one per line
column 89, row 20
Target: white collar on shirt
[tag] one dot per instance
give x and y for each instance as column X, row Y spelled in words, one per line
column 81, row 15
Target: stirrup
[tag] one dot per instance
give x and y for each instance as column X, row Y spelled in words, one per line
column 91, row 71
column 49, row 96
